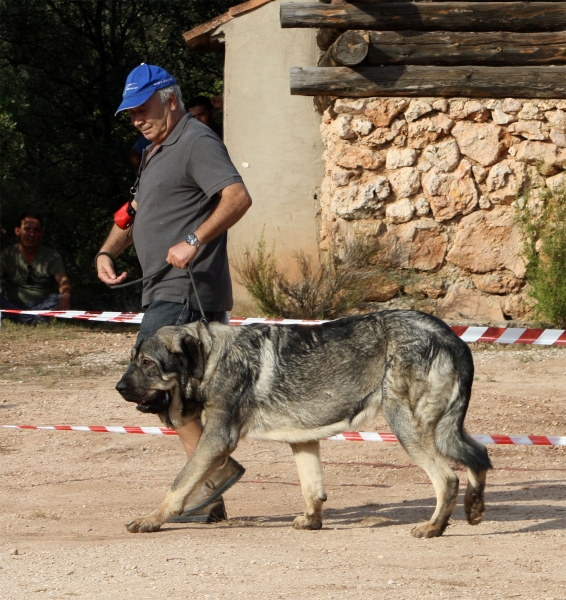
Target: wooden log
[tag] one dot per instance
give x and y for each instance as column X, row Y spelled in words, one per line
column 444, row 16
column 348, row 50
column 416, row 80
column 446, row 48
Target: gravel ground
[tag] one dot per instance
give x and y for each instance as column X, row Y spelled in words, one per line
column 66, row 495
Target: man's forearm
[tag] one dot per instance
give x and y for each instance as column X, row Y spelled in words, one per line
column 117, row 241
column 233, row 205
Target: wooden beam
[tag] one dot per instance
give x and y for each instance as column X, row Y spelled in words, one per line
column 445, row 48
column 415, row 80
column 348, row 50
column 445, row 16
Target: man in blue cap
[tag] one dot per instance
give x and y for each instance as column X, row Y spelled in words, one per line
column 188, row 195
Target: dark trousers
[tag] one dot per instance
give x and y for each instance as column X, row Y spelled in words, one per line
column 161, row 313
column 49, row 303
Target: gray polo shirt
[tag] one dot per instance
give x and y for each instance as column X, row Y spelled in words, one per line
column 177, row 192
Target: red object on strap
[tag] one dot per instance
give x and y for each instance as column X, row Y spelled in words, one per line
column 124, row 216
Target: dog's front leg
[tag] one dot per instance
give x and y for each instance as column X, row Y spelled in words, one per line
column 207, row 457
column 307, row 458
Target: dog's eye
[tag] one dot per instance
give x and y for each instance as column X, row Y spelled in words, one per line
column 147, row 363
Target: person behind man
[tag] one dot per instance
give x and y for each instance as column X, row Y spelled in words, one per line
column 33, row 276
column 202, row 109
column 189, row 195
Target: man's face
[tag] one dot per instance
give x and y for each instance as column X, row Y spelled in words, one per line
column 153, row 119
column 203, row 114
column 29, row 233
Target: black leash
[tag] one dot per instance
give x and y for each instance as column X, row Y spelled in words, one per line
column 158, row 272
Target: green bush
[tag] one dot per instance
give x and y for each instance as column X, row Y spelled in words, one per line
column 542, row 216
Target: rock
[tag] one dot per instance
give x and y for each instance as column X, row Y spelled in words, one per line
column 424, row 166
column 405, row 181
column 422, row 207
column 519, row 307
column 14, row 552
column 351, row 157
column 428, row 130
column 497, row 282
column 350, row 106
column 557, row 118
column 535, row 153
column 530, row 112
column 445, row 156
column 479, row 173
column 464, row 303
column 400, row 211
column 362, row 126
column 417, row 108
column 558, row 138
column 489, row 241
column 420, row 244
column 400, row 158
column 431, row 287
column 532, row 130
column 383, row 111
column 440, row 104
column 479, row 141
column 369, row 229
column 556, row 183
column 381, row 289
column 505, row 180
column 343, row 127
column 510, row 105
column 502, row 118
column 360, row 202
column 382, row 135
column 476, row 111
column 341, row 178
column 450, row 194
column 485, row 203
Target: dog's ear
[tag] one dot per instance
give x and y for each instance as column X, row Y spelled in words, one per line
column 193, row 350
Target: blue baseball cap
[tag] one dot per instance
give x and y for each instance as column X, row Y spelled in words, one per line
column 141, row 83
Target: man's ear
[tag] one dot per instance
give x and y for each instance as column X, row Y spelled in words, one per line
column 193, row 350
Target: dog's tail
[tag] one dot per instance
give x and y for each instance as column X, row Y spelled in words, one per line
column 451, row 439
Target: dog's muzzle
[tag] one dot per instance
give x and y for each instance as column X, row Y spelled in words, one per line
column 158, row 403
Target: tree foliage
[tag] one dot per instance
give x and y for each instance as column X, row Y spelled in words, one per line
column 63, row 64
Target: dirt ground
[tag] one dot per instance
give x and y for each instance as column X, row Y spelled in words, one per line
column 65, row 496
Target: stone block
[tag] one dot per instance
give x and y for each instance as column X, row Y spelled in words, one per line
column 422, row 207
column 502, row 118
column 465, row 303
column 479, row 141
column 405, row 181
column 428, row 130
column 510, row 105
column 445, row 156
column 384, row 110
column 417, row 108
column 400, row 158
column 489, row 241
column 497, row 282
column 531, row 130
column 351, row 157
column 400, row 211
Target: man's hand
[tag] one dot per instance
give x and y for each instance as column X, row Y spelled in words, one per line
column 64, row 289
column 64, row 302
column 181, row 255
column 106, row 273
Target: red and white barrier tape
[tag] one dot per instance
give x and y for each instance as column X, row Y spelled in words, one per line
column 494, row 335
column 348, row 436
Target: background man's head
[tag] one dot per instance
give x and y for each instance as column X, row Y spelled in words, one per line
column 29, row 229
column 202, row 109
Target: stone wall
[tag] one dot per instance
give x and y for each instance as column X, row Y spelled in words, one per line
column 434, row 182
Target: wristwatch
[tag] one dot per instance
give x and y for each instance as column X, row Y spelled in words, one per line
column 192, row 239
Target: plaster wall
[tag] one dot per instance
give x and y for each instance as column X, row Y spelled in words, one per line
column 277, row 135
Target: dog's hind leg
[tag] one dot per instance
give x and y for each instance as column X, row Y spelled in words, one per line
column 474, row 504
column 307, row 458
column 421, row 447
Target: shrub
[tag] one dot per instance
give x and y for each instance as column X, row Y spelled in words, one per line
column 542, row 216
column 321, row 291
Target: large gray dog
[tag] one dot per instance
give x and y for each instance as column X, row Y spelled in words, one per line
column 300, row 384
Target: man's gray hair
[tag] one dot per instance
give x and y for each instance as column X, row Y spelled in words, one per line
column 164, row 94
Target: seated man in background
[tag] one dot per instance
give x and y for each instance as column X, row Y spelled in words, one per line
column 33, row 277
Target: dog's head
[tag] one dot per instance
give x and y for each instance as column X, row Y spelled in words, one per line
column 165, row 369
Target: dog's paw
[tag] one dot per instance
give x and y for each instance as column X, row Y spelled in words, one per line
column 426, row 530
column 474, row 508
column 143, row 525
column 303, row 522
